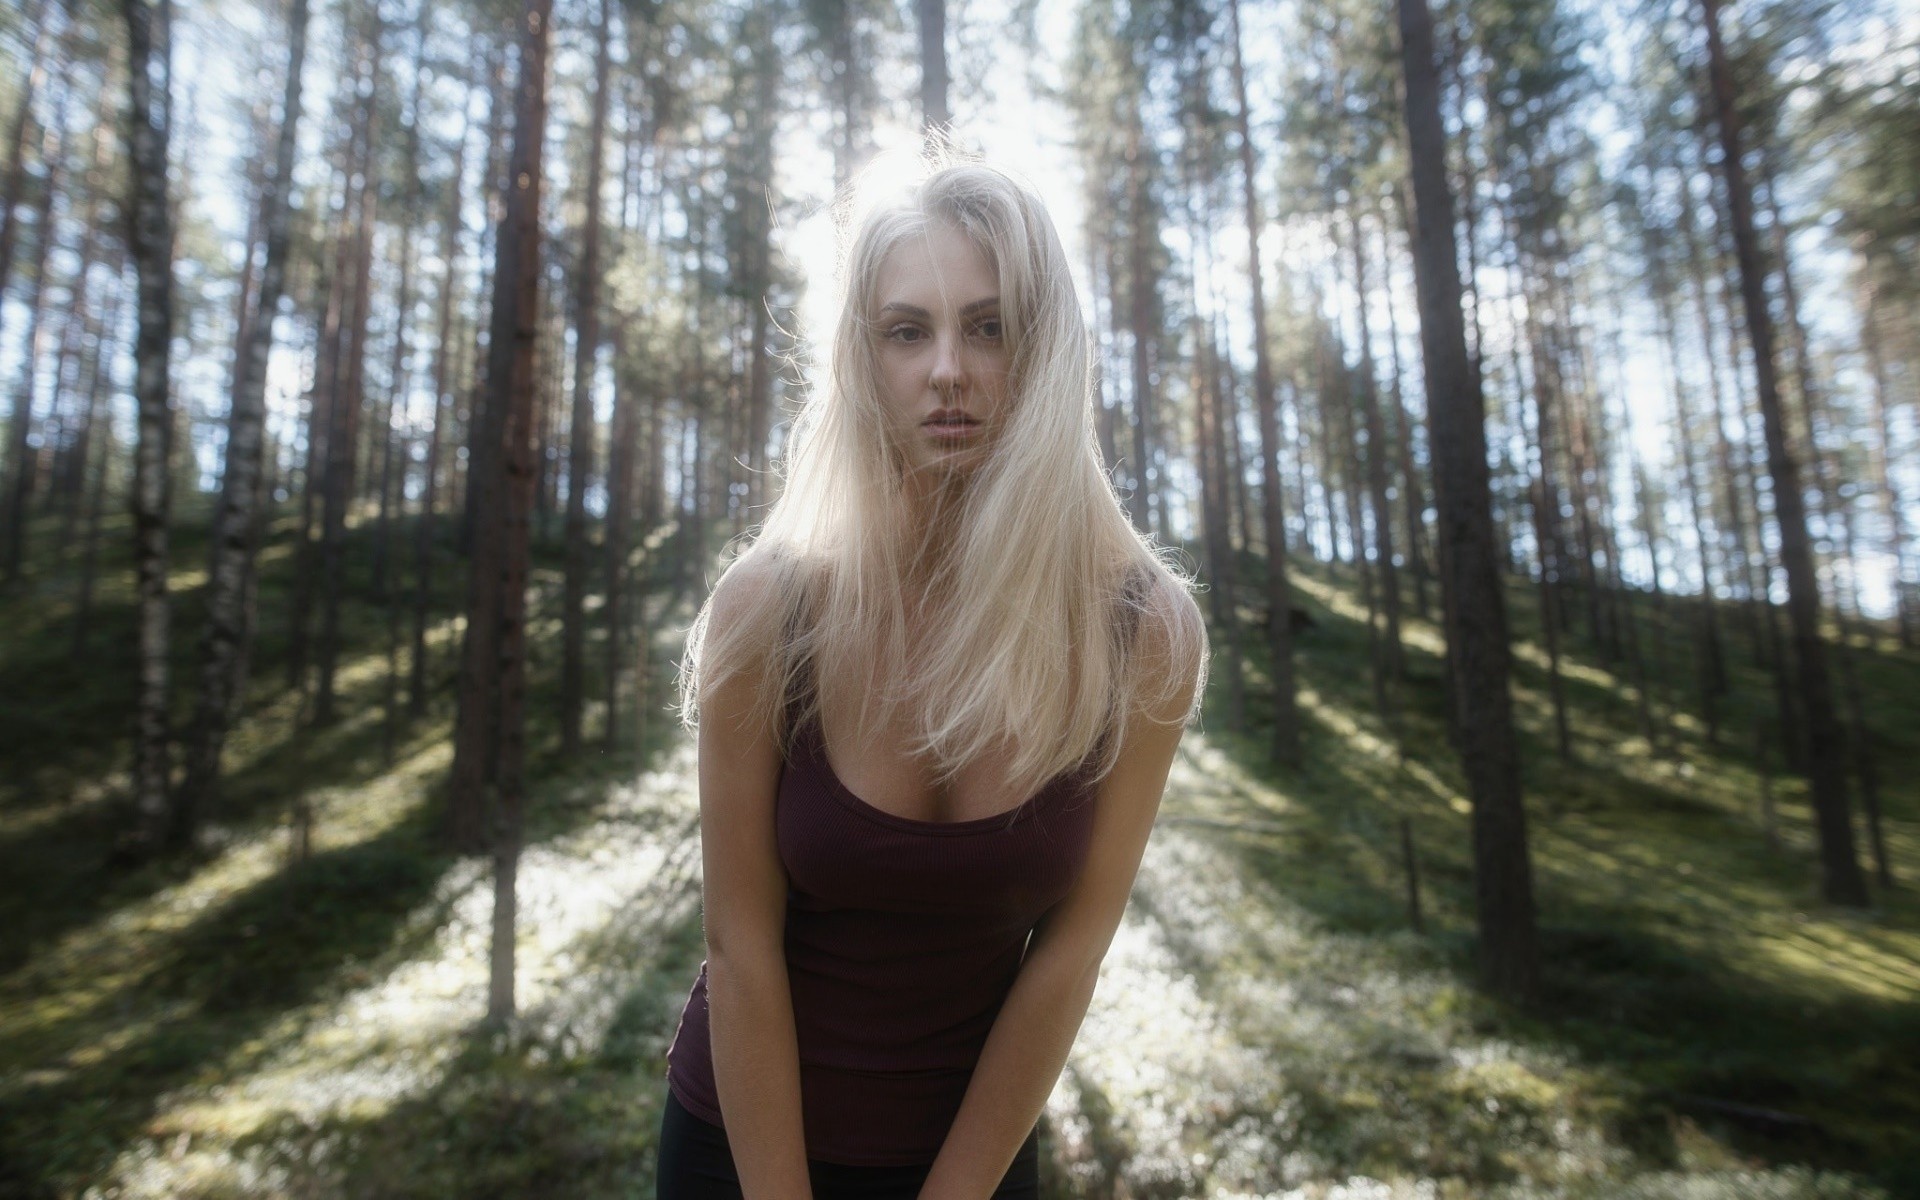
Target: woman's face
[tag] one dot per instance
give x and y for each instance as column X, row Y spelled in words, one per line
column 941, row 351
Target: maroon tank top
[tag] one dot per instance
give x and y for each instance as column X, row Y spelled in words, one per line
column 903, row 938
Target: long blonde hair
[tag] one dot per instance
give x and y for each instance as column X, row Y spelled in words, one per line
column 1039, row 580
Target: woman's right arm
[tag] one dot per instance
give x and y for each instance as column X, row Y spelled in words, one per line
column 756, row 1061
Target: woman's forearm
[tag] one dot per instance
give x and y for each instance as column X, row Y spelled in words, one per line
column 756, row 1070
column 1022, row 1059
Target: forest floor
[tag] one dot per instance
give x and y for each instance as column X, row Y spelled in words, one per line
column 1267, row 1023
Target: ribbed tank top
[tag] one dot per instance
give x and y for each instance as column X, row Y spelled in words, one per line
column 903, row 938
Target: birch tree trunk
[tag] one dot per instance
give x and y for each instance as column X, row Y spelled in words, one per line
column 150, row 84
column 236, row 518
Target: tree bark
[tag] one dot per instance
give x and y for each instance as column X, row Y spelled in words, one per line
column 1395, row 661
column 1841, row 878
column 150, row 85
column 443, row 385
column 1141, row 327
column 490, row 739
column 1285, row 747
column 1891, row 507
column 1476, row 612
column 236, row 519
column 343, row 432
column 581, row 434
column 52, row 152
column 16, row 175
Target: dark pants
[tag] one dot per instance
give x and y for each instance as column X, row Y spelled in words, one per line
column 696, row 1164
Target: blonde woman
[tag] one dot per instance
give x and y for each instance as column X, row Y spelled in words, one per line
column 937, row 702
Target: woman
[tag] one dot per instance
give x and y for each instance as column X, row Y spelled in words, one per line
column 938, row 700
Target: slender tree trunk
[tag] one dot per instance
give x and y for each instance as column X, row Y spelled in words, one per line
column 1285, row 748
column 97, row 490
column 64, row 488
column 1842, row 881
column 1834, row 511
column 1395, row 660
column 1412, row 487
column 237, row 518
column 1476, row 615
column 490, row 737
column 399, row 381
column 343, row 434
column 1141, row 328
column 1739, row 546
column 16, row 173
column 1210, row 450
column 1711, row 669
column 620, row 464
column 443, row 385
column 52, row 152
column 337, row 275
column 89, row 383
column 1891, row 507
column 1546, row 505
column 580, row 436
column 150, row 84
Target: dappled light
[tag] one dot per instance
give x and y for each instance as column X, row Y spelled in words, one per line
column 1515, row 402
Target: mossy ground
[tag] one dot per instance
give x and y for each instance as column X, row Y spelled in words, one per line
column 232, row 1024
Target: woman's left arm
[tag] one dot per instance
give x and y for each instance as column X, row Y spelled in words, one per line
column 1035, row 1029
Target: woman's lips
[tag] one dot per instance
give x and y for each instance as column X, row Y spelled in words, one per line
column 952, row 429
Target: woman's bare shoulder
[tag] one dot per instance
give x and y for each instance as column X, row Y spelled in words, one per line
column 1172, row 649
column 750, row 584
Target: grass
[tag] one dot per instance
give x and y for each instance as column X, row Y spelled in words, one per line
column 236, row 1024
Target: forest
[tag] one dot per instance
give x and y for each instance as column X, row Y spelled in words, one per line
column 1532, row 388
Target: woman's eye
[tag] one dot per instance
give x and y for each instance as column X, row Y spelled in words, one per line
column 904, row 333
column 988, row 329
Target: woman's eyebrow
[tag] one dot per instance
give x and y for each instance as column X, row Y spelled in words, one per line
column 914, row 310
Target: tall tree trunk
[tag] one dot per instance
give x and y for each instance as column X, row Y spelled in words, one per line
column 580, row 437
column 88, row 386
column 1285, row 748
column 16, row 174
column 63, row 490
column 443, row 385
column 1141, row 327
column 1395, row 661
column 1711, row 663
column 1842, row 881
column 96, row 490
column 1546, row 506
column 343, row 432
column 490, row 738
column 620, row 465
column 1478, row 653
column 1216, row 504
column 237, row 518
column 52, row 155
column 399, row 380
column 1738, row 542
column 336, row 281
column 1834, row 511
column 1412, row 487
column 1891, row 507
column 150, row 86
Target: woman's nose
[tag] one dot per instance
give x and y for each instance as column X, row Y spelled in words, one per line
column 949, row 366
